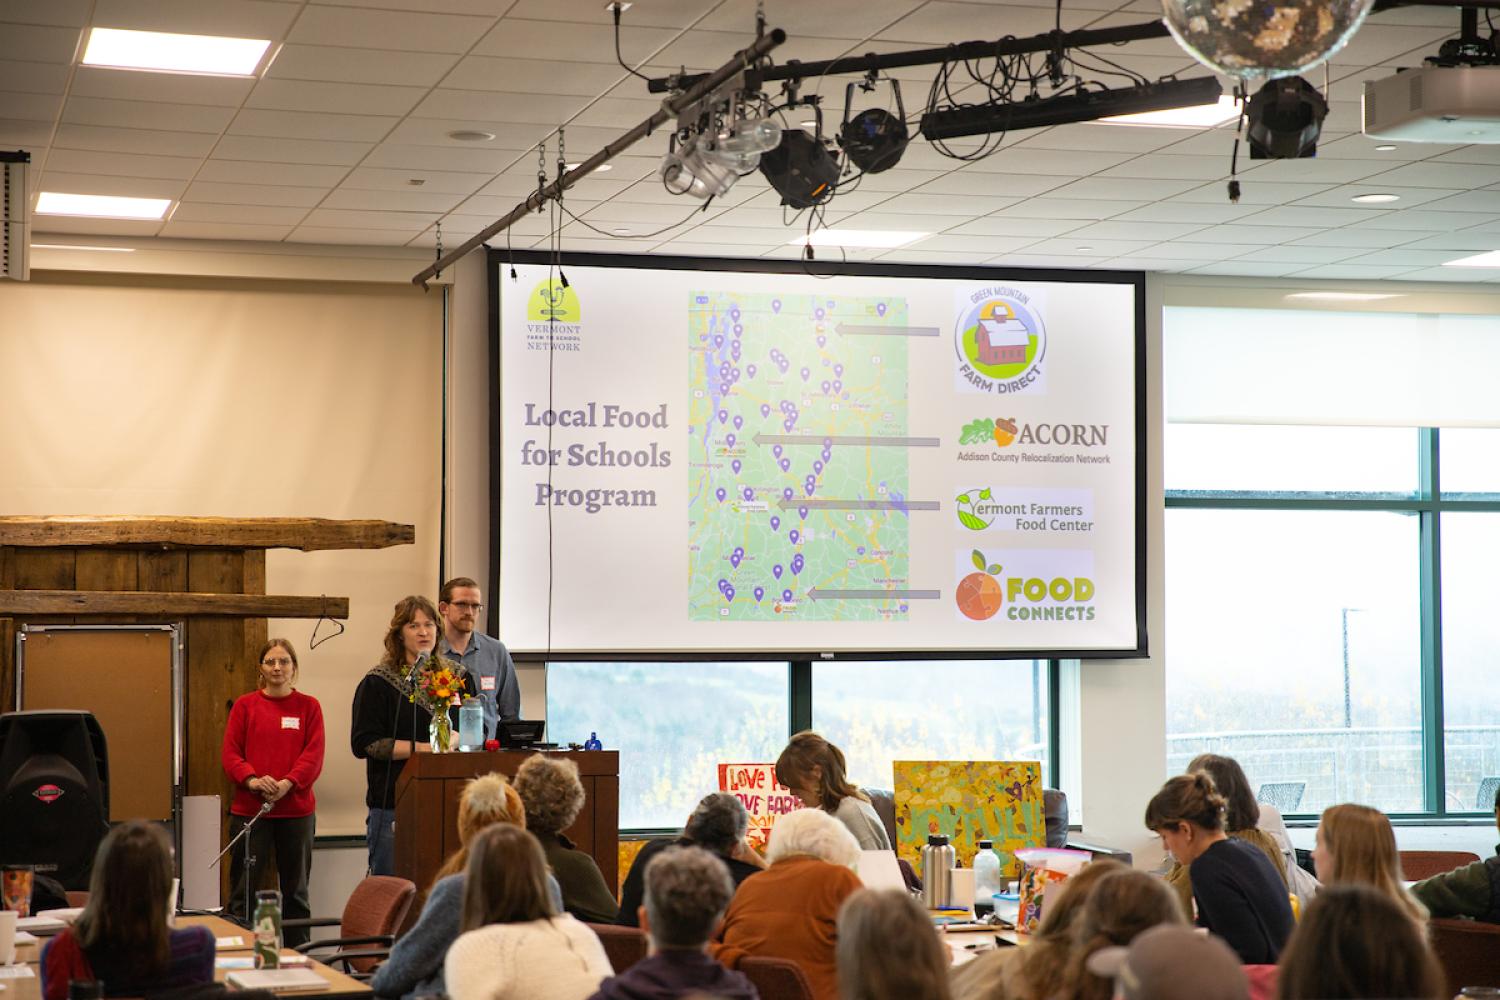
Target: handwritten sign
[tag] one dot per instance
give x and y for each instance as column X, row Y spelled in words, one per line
column 763, row 796
column 969, row 801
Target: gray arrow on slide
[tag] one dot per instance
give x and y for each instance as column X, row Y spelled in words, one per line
column 811, row 504
column 856, row 330
column 867, row 442
column 819, row 594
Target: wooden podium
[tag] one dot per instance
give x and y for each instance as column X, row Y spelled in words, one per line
column 427, row 807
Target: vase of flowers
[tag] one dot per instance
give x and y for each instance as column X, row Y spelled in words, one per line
column 434, row 687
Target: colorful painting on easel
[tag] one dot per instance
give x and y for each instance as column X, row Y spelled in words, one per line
column 969, row 801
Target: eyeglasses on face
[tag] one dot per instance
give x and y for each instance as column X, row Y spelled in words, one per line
column 468, row 606
column 284, row 661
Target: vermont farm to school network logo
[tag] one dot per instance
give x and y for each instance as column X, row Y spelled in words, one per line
column 554, row 317
column 1000, row 342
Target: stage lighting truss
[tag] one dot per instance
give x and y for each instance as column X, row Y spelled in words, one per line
column 719, row 140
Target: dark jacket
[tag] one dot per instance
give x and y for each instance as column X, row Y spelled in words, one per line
column 1471, row 891
column 675, row 973
column 633, row 892
column 585, row 894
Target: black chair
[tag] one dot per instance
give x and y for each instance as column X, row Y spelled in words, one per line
column 1286, row 796
column 1486, row 798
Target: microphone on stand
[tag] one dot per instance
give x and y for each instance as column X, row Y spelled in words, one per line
column 265, row 807
column 416, row 666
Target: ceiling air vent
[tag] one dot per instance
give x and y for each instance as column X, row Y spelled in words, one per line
column 15, row 234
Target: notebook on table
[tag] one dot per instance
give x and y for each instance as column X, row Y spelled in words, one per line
column 277, row 980
column 879, row 870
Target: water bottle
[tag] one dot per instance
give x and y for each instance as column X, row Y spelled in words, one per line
column 937, row 873
column 471, row 724
column 267, row 929
column 592, row 743
column 986, row 878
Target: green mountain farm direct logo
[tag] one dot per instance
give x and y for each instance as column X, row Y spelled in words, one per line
column 973, row 505
column 553, row 301
column 1000, row 342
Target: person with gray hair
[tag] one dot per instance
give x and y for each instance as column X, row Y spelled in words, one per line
column 718, row 824
column 687, row 891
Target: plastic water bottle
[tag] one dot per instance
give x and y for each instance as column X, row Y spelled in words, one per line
column 267, row 929
column 986, row 878
column 592, row 743
column 470, row 725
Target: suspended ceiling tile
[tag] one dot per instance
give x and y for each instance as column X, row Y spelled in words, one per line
column 1469, row 154
column 1135, row 188
column 254, row 194
column 1341, row 198
column 1044, row 260
column 265, row 215
column 657, row 13
column 335, row 98
column 1093, row 137
column 489, row 105
column 1198, row 214
column 1153, row 265
column 1240, row 233
column 269, row 149
column 130, row 140
column 1298, row 255
column 806, row 20
column 1376, row 43
column 545, row 76
column 1362, row 147
column 1303, row 214
column 476, row 157
column 1352, row 271
column 310, row 125
column 641, row 215
column 1429, row 174
column 224, row 231
column 414, row 200
column 1454, row 274
column 1252, row 192
column 433, row 181
column 65, row 13
column 1408, row 257
column 337, row 236
column 235, row 18
column 617, row 112
column 30, row 107
column 1469, row 201
column 985, row 246
column 708, row 50
column 1168, row 167
column 388, row 29
column 248, row 172
column 32, row 77
column 962, row 206
column 1424, row 219
column 1306, row 171
column 1073, row 245
column 577, row 42
column 37, row 43
column 1362, row 238
column 85, row 161
column 146, row 115
column 1247, row 269
column 1065, row 208
column 1134, row 230
column 731, row 236
column 1009, row 226
column 940, row 21
column 43, row 224
column 434, row 132
column 1468, row 240
column 1054, row 162
column 962, row 182
column 482, row 8
column 171, row 88
column 910, row 256
column 337, row 64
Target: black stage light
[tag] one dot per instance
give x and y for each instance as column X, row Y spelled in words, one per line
column 1083, row 106
column 1284, row 118
column 800, row 169
column 874, row 139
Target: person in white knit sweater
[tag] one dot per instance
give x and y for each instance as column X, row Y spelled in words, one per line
column 515, row 945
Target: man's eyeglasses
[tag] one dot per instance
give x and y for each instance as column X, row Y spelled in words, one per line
column 467, row 606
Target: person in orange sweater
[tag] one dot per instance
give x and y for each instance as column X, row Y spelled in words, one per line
column 791, row 909
column 273, row 752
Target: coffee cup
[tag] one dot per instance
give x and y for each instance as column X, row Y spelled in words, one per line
column 8, row 919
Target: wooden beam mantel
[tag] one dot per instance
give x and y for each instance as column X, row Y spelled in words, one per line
column 306, row 533
column 167, row 604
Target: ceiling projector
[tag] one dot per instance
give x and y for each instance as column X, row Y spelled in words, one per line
column 1452, row 104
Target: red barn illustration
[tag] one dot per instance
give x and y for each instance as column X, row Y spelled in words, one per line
column 1002, row 339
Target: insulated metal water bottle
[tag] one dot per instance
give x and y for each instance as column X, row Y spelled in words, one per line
column 937, row 873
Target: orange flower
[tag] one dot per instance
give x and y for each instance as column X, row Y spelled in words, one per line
column 444, row 693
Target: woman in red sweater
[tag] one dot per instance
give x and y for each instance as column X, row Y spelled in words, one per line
column 273, row 752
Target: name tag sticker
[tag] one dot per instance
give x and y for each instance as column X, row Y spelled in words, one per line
column 487, row 683
column 456, row 702
column 291, row 722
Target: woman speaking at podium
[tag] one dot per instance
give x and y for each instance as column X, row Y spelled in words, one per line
column 273, row 752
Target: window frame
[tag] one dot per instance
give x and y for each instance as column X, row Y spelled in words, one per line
column 1428, row 504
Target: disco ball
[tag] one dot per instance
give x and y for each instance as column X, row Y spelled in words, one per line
column 1263, row 39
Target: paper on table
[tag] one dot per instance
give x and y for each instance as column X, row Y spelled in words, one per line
column 16, row 972
column 229, row 942
column 26, row 937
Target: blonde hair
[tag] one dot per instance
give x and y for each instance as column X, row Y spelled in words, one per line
column 1124, row 904
column 485, row 801
column 886, row 949
column 1044, row 962
column 1364, row 852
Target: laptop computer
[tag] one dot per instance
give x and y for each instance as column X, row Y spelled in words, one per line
column 278, row 980
column 520, row 734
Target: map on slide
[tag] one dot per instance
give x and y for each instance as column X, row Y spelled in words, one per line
column 797, row 445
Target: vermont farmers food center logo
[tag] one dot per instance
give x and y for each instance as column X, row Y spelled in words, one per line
column 1000, row 342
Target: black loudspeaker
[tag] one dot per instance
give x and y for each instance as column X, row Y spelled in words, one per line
column 54, row 793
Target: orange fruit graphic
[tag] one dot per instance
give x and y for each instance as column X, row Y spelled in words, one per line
column 1005, row 431
column 979, row 596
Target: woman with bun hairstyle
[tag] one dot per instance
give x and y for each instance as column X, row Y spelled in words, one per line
column 1237, row 893
column 1241, row 816
column 415, row 967
column 1355, row 845
column 814, row 770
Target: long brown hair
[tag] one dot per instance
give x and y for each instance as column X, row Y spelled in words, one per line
column 886, row 949
column 485, row 801
column 505, row 881
column 126, row 914
column 1364, row 852
column 1044, row 961
column 1241, row 811
column 1357, row 942
column 808, row 750
column 406, row 609
column 271, row 644
column 1123, row 904
column 1187, row 798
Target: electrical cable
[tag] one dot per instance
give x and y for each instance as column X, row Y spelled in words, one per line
column 616, row 8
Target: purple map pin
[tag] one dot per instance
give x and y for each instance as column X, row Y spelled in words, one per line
column 880, row 309
column 787, row 493
column 738, row 329
column 765, row 409
column 776, row 450
column 806, row 373
column 786, row 595
column 723, row 585
column 825, row 386
column 786, row 465
column 776, row 305
column 735, row 465
column 797, row 563
column 802, row 513
column 718, row 341
column 735, row 557
column 723, row 416
column 860, row 550
column 759, row 593
column 750, row 370
column 776, row 571
column 838, row 386
column 721, row 493
column 819, row 313
column 838, row 370
column 723, row 388
column 775, row 523
column 817, row 467
column 787, row 423
column 729, row 438
column 749, row 493
column 729, row 593
column 794, row 534
column 822, row 341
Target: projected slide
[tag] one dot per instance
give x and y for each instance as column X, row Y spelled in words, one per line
column 726, row 462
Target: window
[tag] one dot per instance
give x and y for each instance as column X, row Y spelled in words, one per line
column 673, row 724
column 1471, row 635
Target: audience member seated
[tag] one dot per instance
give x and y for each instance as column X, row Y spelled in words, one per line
column 1471, row 891
column 1355, row 845
column 415, row 967
column 814, row 770
column 1355, row 941
column 1299, row 880
column 1123, row 905
column 1039, row 970
column 791, row 909
column 1241, row 816
column 122, row 938
column 515, row 945
column 687, row 891
column 1172, row 963
column 553, row 795
column 887, row 949
column 718, row 825
column 1237, row 893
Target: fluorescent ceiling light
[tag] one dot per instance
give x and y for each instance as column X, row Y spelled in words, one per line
column 72, row 246
column 1375, row 199
column 101, row 206
column 116, row 48
column 1490, row 259
column 1196, row 116
column 1343, row 296
column 868, row 238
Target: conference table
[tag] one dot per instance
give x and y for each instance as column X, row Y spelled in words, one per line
column 234, row 948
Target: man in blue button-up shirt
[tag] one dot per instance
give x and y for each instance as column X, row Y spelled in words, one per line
column 486, row 659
